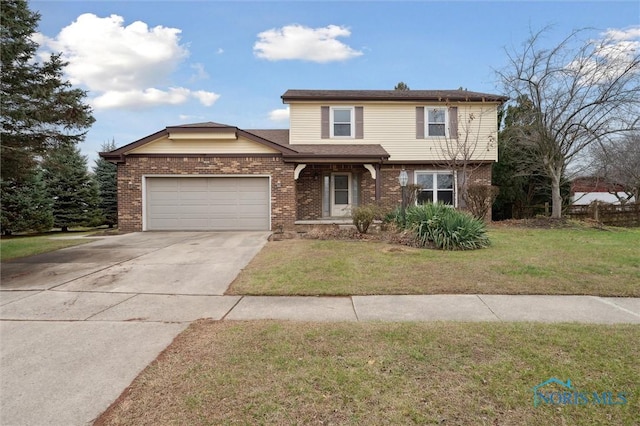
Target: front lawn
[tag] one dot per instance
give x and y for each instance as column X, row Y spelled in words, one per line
column 267, row 372
column 582, row 261
column 28, row 245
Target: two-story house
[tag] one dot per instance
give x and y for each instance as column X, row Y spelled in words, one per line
column 343, row 148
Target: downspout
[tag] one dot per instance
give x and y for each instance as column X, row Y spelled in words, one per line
column 378, row 183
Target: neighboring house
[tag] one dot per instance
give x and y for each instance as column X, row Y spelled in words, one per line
column 586, row 190
column 344, row 148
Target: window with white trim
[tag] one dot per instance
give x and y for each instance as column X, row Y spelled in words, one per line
column 342, row 122
column 436, row 122
column 435, row 187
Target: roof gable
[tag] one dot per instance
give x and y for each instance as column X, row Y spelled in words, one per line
column 199, row 131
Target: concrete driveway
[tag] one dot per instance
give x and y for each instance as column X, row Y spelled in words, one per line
column 79, row 324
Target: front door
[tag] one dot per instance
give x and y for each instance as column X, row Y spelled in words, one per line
column 340, row 194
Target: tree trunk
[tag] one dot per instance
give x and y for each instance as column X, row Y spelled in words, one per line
column 556, row 198
column 65, row 229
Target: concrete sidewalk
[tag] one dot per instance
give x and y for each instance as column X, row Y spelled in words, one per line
column 79, row 324
column 583, row 309
column 58, row 305
column 84, row 348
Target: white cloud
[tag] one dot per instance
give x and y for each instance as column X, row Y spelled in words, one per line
column 199, row 72
column 150, row 97
column 220, row 51
column 124, row 65
column 279, row 114
column 104, row 55
column 141, row 98
column 299, row 42
column 623, row 34
column 611, row 56
column 205, row 98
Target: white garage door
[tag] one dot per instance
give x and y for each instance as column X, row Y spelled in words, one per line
column 211, row 203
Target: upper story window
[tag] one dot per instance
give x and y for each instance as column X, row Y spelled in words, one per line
column 436, row 121
column 342, row 122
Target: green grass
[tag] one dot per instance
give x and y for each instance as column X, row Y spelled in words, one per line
column 375, row 373
column 580, row 261
column 21, row 246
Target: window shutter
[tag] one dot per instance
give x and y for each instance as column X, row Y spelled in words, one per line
column 453, row 122
column 324, row 122
column 419, row 122
column 359, row 123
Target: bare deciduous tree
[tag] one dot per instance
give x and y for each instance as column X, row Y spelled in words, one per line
column 617, row 162
column 583, row 91
column 465, row 153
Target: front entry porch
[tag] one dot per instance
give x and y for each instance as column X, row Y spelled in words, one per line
column 326, row 194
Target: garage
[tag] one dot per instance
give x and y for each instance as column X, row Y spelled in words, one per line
column 218, row 203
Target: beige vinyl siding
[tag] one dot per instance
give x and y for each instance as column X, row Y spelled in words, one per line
column 199, row 146
column 393, row 125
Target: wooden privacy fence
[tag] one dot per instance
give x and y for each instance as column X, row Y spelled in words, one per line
column 607, row 214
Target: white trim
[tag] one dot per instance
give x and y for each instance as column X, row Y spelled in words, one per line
column 435, row 182
column 426, row 121
column 352, row 110
column 371, row 169
column 144, row 189
column 455, row 188
column 332, row 198
column 296, row 172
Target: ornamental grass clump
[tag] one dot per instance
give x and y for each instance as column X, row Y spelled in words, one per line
column 446, row 228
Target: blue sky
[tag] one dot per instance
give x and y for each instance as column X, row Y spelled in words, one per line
column 148, row 65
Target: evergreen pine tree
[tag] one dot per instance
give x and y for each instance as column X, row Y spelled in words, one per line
column 40, row 111
column 105, row 174
column 74, row 192
column 25, row 206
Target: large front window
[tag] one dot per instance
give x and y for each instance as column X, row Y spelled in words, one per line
column 342, row 122
column 435, row 187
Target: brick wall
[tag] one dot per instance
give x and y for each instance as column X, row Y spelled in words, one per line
column 310, row 182
column 391, row 193
column 285, row 191
column 283, row 211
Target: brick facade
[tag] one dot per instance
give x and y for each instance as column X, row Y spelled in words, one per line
column 309, row 187
column 290, row 200
column 283, row 198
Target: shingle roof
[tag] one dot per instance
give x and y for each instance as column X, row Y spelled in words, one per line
column 392, row 95
column 205, row 125
column 281, row 137
column 352, row 150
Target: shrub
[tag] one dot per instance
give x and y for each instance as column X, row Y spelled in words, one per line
column 480, row 198
column 363, row 216
column 394, row 216
column 446, row 228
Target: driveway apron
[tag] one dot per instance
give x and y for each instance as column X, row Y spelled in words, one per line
column 79, row 324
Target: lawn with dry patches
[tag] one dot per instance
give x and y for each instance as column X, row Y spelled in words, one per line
column 581, row 261
column 268, row 372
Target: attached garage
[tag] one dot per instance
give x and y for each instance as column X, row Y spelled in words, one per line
column 220, row 203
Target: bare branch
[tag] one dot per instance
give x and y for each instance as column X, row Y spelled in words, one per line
column 583, row 91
